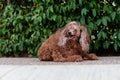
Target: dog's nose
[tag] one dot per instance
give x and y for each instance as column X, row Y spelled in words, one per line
column 69, row 33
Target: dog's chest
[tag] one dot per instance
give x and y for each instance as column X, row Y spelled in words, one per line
column 71, row 48
column 72, row 44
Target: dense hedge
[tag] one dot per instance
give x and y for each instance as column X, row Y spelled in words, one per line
column 25, row 24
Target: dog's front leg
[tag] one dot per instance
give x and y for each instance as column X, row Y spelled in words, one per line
column 90, row 56
column 74, row 58
column 57, row 56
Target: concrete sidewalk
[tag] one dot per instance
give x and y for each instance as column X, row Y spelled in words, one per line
column 36, row 61
column 106, row 68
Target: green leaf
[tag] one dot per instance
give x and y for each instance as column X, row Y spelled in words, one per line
column 20, row 26
column 106, row 44
column 119, row 34
column 14, row 22
column 59, row 19
column 84, row 11
column 27, row 19
column 53, row 17
column 99, row 35
column 15, row 47
column 80, row 2
column 39, row 19
column 36, row 20
column 113, row 14
column 47, row 1
column 115, row 35
column 51, row 9
column 118, row 10
column 82, row 20
column 115, row 46
column 94, row 12
column 104, row 35
column 33, row 17
column 41, row 8
column 105, row 8
column 43, row 16
column 19, row 17
column 20, row 47
column 108, row 18
column 96, row 45
column 90, row 26
column 104, row 21
column 98, row 22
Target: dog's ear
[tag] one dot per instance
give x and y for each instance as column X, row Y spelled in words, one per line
column 84, row 39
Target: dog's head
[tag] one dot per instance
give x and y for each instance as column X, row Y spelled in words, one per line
column 75, row 31
column 72, row 30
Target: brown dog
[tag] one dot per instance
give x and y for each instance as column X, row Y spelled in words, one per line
column 70, row 44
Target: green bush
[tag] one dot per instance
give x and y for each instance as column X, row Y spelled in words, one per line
column 25, row 24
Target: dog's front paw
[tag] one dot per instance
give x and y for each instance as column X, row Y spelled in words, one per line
column 93, row 56
column 74, row 58
column 60, row 60
column 78, row 60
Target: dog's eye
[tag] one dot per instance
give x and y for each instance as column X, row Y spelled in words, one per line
column 75, row 30
column 80, row 30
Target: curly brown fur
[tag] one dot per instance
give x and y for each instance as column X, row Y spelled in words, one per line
column 70, row 44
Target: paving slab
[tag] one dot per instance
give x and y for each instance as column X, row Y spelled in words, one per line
column 106, row 68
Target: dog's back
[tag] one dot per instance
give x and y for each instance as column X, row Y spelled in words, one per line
column 46, row 49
